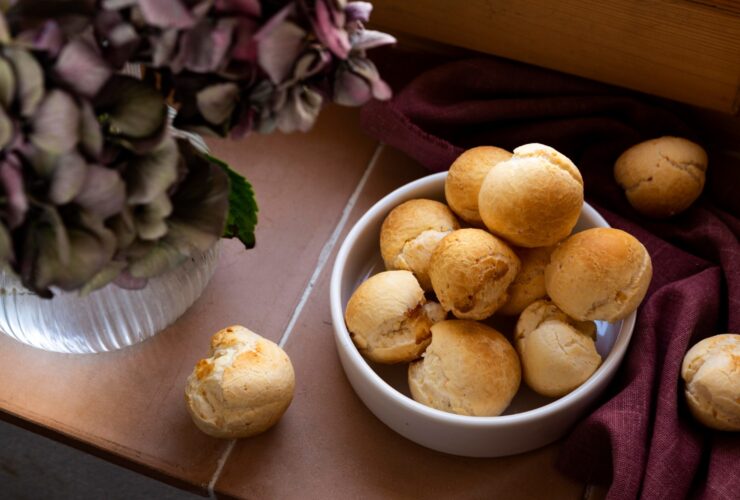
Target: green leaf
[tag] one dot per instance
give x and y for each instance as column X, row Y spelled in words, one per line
column 243, row 209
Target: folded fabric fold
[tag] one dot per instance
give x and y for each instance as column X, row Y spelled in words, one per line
column 641, row 439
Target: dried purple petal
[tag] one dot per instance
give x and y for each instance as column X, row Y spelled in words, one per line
column 166, row 14
column 150, row 219
column 163, row 47
column 104, row 192
column 128, row 282
column 203, row 48
column 358, row 11
column 117, row 38
column 278, row 48
column 11, row 180
column 67, row 178
column 82, row 68
column 217, row 102
column 148, row 176
column 6, row 245
column 245, row 45
column 329, row 28
column 357, row 81
column 48, row 37
column 56, row 122
column 7, row 83
column 350, row 89
column 4, row 31
column 91, row 136
column 300, row 110
column 6, row 128
column 132, row 108
column 29, row 79
column 311, row 62
column 368, row 39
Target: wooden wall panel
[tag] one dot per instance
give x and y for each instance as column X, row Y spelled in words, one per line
column 684, row 50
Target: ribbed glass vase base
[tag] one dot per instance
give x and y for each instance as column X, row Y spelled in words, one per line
column 108, row 319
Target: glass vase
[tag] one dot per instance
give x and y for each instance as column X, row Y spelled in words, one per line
column 106, row 319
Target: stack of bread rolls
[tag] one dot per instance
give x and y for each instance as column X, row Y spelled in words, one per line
column 502, row 245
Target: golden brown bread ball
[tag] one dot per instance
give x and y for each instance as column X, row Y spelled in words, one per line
column 411, row 232
column 599, row 274
column 711, row 370
column 468, row 369
column 663, row 176
column 533, row 199
column 465, row 178
column 389, row 319
column 471, row 271
column 558, row 353
column 243, row 388
column 529, row 283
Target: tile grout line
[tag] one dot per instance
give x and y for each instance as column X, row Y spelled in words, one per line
column 325, row 253
column 320, row 264
column 219, row 468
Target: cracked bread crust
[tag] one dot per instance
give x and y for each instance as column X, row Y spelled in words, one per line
column 662, row 177
column 711, row 370
column 411, row 232
column 471, row 271
column 533, row 199
column 468, row 369
column 598, row 274
column 243, row 388
column 558, row 353
column 389, row 319
column 465, row 178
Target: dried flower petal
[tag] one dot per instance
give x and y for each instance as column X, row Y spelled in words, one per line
column 278, row 48
column 67, row 179
column 104, row 192
column 132, row 108
column 330, row 30
column 91, row 136
column 56, row 122
column 358, row 11
column 117, row 38
column 369, row 39
column 166, row 14
column 6, row 128
column 7, row 83
column 300, row 111
column 29, row 78
column 11, row 180
column 47, row 37
column 217, row 102
column 82, row 68
column 148, row 176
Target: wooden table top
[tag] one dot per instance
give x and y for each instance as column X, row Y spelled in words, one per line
column 128, row 406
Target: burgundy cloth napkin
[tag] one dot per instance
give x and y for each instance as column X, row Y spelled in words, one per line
column 641, row 439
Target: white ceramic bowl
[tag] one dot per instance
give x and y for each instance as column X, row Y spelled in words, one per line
column 530, row 422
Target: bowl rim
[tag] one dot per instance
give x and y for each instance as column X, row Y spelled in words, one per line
column 341, row 334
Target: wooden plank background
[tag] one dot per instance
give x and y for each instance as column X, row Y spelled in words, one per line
column 687, row 50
